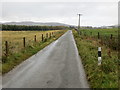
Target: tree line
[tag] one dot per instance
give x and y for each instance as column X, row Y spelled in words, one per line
column 31, row 28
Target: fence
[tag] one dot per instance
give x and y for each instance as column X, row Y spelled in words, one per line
column 8, row 48
column 110, row 40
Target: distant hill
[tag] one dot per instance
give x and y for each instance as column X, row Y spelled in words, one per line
column 36, row 23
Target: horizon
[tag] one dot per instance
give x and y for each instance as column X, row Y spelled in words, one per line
column 53, row 22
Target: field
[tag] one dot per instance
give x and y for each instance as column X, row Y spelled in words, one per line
column 108, row 37
column 106, row 75
column 16, row 50
column 103, row 32
column 15, row 38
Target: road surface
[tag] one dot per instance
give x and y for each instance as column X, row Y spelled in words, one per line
column 56, row 66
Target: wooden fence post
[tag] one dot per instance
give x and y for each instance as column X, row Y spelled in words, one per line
column 111, row 36
column 42, row 38
column 46, row 35
column 24, row 42
column 35, row 38
column 6, row 48
column 98, row 35
column 50, row 35
column 91, row 33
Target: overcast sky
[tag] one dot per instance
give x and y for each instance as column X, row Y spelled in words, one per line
column 95, row 12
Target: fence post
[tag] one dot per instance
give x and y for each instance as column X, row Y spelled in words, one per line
column 42, row 38
column 91, row 33
column 6, row 47
column 35, row 38
column 111, row 36
column 46, row 35
column 50, row 35
column 24, row 42
column 98, row 35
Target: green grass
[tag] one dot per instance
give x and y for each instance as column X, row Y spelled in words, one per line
column 104, row 36
column 15, row 58
column 104, row 76
column 103, row 32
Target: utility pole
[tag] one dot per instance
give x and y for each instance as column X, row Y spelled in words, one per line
column 79, row 23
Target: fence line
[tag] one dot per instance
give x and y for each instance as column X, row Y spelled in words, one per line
column 24, row 41
column 110, row 41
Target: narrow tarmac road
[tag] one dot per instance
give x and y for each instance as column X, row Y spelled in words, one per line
column 56, row 66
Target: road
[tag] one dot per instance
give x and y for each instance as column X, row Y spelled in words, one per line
column 56, row 66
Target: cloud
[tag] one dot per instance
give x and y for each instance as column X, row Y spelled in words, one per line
column 94, row 13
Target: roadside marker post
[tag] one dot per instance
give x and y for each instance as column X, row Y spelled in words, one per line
column 99, row 56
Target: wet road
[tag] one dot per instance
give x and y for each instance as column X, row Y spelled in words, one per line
column 56, row 66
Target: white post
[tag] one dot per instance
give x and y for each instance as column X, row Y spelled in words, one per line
column 99, row 56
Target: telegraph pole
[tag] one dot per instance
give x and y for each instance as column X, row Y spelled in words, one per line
column 79, row 23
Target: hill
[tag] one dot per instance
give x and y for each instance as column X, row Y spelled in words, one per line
column 36, row 23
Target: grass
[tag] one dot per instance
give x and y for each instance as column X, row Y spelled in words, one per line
column 15, row 38
column 21, row 54
column 103, row 32
column 104, row 76
column 104, row 36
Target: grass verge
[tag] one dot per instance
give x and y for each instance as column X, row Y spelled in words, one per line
column 104, row 76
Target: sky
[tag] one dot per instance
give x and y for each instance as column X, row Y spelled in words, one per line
column 94, row 12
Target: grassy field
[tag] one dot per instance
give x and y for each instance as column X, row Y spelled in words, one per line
column 106, row 75
column 17, row 53
column 108, row 37
column 15, row 38
column 103, row 32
